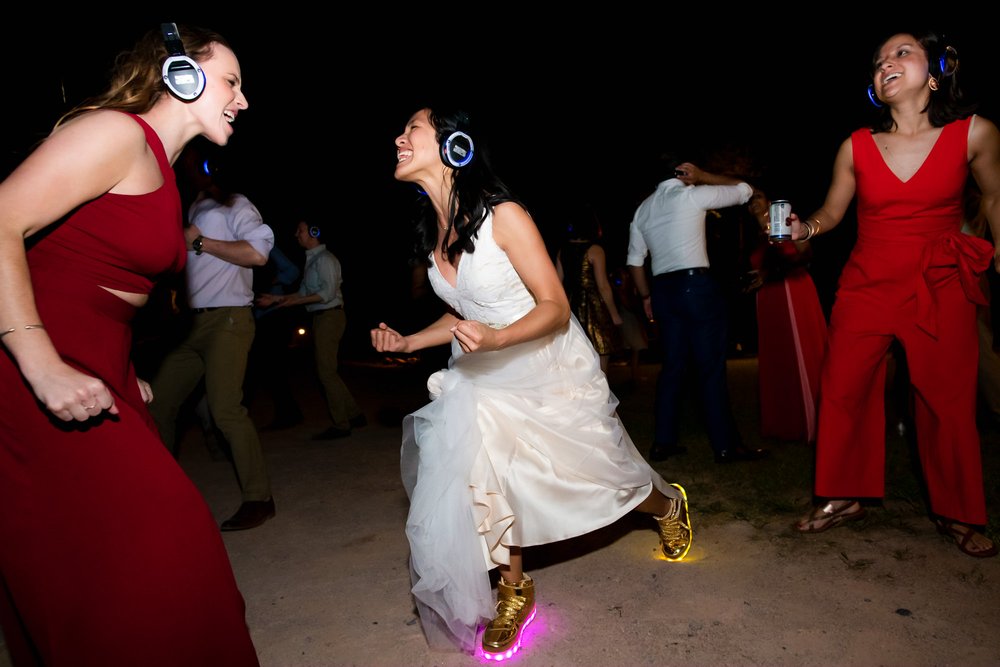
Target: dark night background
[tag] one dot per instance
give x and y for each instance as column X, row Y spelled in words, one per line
column 575, row 110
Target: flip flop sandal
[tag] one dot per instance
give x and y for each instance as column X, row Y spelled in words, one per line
column 962, row 534
column 826, row 517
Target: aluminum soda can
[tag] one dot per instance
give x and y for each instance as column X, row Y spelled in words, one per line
column 778, row 230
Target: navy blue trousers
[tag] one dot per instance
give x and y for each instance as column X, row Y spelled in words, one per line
column 690, row 311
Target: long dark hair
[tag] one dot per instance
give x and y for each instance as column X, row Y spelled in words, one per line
column 475, row 191
column 946, row 104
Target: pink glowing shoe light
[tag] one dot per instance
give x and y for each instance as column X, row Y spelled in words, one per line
column 509, row 653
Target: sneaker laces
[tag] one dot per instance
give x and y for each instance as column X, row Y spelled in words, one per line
column 508, row 610
column 672, row 530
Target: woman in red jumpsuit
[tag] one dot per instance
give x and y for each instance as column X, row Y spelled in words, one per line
column 912, row 276
column 108, row 553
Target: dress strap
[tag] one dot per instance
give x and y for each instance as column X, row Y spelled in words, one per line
column 153, row 139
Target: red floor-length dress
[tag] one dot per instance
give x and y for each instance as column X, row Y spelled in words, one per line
column 913, row 276
column 108, row 553
column 791, row 343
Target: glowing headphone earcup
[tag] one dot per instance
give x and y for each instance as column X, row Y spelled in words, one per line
column 873, row 98
column 947, row 63
column 457, row 150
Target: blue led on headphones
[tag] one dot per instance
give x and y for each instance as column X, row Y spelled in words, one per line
column 872, row 96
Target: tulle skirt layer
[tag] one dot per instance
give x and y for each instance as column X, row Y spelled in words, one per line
column 518, row 447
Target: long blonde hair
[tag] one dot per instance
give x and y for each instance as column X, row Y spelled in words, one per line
column 137, row 80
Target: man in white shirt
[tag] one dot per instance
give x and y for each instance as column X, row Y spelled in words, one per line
column 320, row 293
column 686, row 302
column 226, row 238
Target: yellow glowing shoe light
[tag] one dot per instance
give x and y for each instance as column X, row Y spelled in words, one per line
column 675, row 531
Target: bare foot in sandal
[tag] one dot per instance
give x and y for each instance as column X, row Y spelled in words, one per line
column 832, row 513
column 969, row 540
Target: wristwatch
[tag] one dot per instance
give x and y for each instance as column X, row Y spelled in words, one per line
column 197, row 245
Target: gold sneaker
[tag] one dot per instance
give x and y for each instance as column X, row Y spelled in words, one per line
column 675, row 528
column 515, row 610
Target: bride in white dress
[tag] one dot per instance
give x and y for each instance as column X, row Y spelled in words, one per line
column 521, row 443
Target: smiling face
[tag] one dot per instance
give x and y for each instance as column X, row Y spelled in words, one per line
column 900, row 67
column 223, row 98
column 417, row 149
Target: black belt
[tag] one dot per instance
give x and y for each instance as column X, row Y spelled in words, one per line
column 684, row 272
column 326, row 309
column 211, row 308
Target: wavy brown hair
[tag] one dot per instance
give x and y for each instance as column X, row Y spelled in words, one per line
column 137, row 79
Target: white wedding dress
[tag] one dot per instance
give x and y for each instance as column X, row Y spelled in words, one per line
column 518, row 447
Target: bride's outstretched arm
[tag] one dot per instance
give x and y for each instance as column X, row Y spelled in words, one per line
column 385, row 339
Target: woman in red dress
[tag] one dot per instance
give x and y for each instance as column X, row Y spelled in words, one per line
column 791, row 333
column 108, row 553
column 913, row 276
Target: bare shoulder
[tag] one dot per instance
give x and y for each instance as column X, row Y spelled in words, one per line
column 511, row 213
column 982, row 124
column 101, row 130
column 512, row 223
column 845, row 154
column 595, row 251
column 983, row 134
column 81, row 159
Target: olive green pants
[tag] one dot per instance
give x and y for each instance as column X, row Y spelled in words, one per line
column 216, row 348
column 328, row 329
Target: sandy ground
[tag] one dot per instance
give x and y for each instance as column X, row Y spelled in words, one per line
column 326, row 582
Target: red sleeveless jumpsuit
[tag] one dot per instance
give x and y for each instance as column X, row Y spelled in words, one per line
column 108, row 553
column 912, row 276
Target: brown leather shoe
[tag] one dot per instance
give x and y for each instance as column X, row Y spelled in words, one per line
column 251, row 514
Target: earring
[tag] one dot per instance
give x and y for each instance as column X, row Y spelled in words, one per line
column 932, row 83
